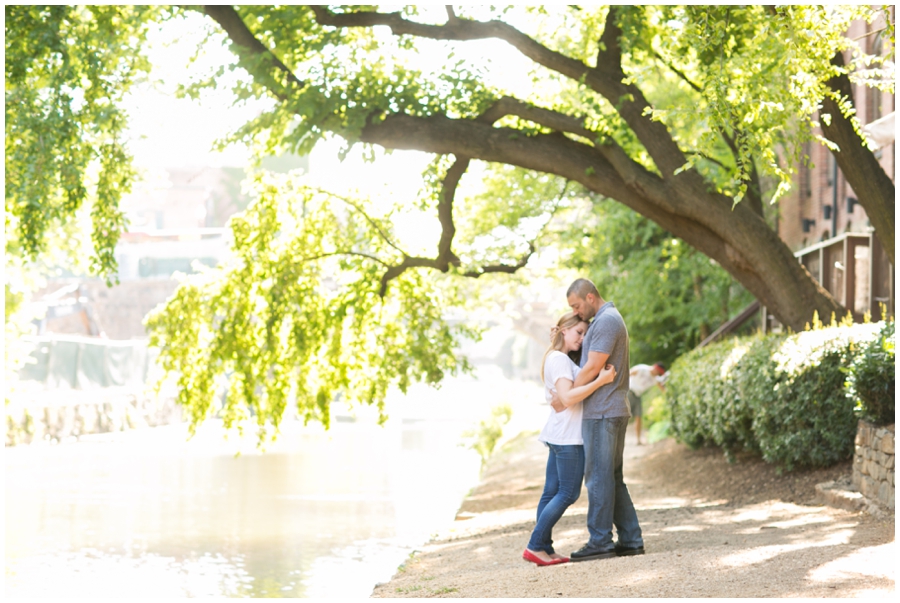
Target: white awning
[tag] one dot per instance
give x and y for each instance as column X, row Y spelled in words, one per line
column 881, row 131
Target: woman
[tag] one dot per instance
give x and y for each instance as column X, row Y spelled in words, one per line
column 562, row 435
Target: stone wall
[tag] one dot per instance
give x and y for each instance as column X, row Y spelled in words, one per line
column 873, row 462
column 57, row 415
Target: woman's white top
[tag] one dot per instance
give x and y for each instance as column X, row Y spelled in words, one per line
column 562, row 428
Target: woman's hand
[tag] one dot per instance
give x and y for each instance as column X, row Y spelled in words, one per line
column 607, row 375
column 568, row 394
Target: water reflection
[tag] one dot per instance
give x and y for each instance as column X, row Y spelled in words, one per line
column 146, row 513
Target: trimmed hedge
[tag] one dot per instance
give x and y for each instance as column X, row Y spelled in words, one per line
column 870, row 381
column 780, row 395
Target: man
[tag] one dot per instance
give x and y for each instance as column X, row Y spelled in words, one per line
column 604, row 420
column 643, row 377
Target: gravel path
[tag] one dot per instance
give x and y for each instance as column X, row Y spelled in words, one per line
column 710, row 530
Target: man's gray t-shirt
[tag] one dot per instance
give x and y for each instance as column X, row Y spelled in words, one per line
column 608, row 335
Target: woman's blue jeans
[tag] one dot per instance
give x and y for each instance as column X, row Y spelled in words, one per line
column 565, row 470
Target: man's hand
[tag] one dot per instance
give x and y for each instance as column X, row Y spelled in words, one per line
column 556, row 404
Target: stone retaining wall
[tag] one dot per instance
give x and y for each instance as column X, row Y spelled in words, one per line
column 56, row 415
column 873, row 462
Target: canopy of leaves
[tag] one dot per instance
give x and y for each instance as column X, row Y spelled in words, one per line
column 296, row 316
column 67, row 69
column 757, row 76
column 738, row 85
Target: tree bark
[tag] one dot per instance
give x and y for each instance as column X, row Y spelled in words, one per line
column 873, row 187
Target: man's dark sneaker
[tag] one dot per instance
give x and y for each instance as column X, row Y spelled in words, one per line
column 586, row 553
column 625, row 551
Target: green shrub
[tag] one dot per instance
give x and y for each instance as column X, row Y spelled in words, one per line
column 756, row 382
column 807, row 421
column 706, row 405
column 780, row 395
column 870, row 381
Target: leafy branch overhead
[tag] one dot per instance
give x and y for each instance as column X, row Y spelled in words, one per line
column 297, row 314
column 617, row 120
column 65, row 128
column 693, row 117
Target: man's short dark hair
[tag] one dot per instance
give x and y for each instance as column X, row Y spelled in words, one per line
column 581, row 287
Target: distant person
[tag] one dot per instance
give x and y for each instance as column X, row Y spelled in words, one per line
column 562, row 435
column 642, row 378
column 604, row 421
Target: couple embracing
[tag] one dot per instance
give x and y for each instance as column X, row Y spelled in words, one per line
column 585, row 432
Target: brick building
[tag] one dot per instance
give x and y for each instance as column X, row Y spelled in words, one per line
column 176, row 219
column 821, row 219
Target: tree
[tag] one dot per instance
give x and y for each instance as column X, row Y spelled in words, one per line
column 602, row 132
column 683, row 114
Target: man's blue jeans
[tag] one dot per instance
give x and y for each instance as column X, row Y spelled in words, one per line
column 608, row 499
column 565, row 469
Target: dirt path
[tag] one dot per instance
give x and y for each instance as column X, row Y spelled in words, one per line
column 710, row 530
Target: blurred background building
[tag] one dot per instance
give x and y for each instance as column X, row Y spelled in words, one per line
column 821, row 219
column 175, row 223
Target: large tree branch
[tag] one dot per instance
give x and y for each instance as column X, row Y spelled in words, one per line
column 251, row 48
column 445, row 211
column 460, row 30
column 739, row 240
column 607, row 78
column 551, row 153
column 873, row 187
column 631, row 172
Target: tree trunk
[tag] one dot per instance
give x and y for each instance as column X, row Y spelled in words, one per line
column 873, row 187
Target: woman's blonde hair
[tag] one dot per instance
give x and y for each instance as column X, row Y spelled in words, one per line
column 557, row 338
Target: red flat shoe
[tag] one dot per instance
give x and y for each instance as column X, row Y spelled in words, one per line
column 529, row 556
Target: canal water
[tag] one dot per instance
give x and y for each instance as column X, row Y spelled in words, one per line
column 318, row 514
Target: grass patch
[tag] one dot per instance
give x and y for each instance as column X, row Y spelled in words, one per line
column 410, row 589
column 444, row 589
